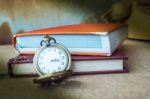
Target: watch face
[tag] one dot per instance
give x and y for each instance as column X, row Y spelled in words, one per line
column 51, row 59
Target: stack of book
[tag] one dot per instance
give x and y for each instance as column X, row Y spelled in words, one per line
column 94, row 48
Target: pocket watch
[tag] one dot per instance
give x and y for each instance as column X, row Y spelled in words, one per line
column 52, row 61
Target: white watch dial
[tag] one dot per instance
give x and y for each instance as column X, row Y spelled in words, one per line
column 52, row 59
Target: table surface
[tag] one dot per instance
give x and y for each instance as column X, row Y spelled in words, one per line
column 133, row 85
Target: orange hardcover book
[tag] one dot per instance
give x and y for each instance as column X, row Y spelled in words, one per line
column 80, row 39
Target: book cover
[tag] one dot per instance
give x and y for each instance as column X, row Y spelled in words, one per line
column 80, row 39
column 82, row 65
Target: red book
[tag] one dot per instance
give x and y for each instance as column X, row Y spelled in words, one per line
column 22, row 65
column 79, row 39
